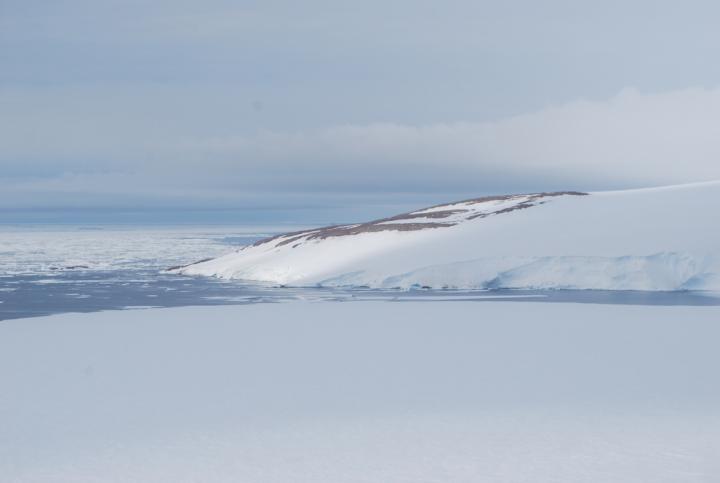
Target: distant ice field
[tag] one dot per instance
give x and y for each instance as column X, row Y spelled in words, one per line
column 48, row 250
column 48, row 270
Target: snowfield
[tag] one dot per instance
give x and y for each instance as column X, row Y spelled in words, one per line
column 659, row 239
column 353, row 392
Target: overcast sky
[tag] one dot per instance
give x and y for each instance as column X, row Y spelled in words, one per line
column 332, row 111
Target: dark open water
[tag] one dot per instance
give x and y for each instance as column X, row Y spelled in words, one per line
column 90, row 291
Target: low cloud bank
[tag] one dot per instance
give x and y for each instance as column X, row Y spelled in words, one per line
column 632, row 139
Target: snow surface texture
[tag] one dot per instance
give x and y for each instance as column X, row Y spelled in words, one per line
column 651, row 239
column 356, row 392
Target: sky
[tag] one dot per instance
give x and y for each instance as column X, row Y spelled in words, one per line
column 331, row 111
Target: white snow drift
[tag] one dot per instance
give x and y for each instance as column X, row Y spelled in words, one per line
column 359, row 392
column 650, row 239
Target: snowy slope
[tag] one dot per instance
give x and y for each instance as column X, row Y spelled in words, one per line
column 359, row 392
column 650, row 239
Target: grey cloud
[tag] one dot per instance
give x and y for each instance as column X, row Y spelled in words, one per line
column 633, row 139
column 257, row 103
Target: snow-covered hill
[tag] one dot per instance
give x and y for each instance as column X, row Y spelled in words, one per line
column 650, row 239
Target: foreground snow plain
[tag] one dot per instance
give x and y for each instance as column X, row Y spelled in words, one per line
column 363, row 392
column 659, row 239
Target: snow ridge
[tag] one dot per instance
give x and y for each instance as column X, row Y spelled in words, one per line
column 652, row 239
column 439, row 216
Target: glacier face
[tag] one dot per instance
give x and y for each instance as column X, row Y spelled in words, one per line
column 659, row 272
column 651, row 239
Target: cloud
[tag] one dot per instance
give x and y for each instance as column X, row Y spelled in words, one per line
column 631, row 139
column 101, row 149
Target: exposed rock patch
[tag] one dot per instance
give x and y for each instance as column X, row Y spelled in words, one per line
column 450, row 213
